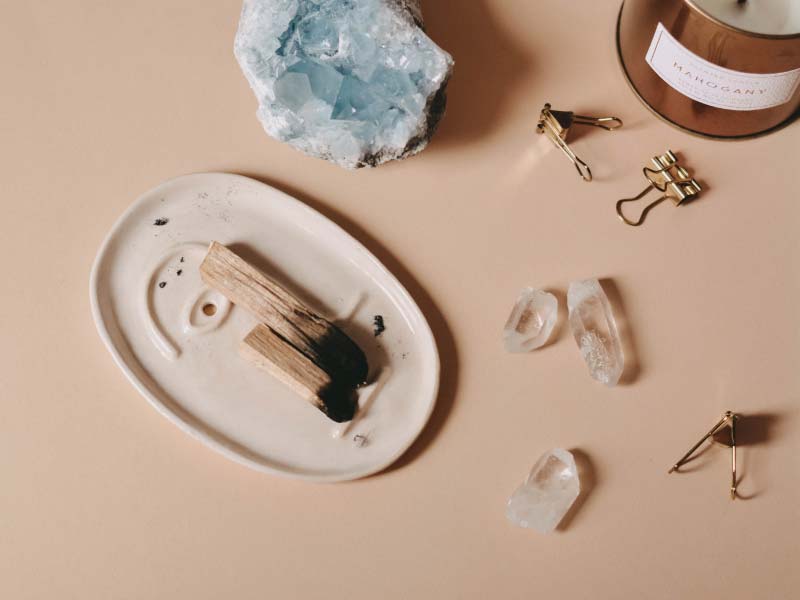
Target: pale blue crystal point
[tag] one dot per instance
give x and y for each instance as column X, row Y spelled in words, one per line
column 356, row 82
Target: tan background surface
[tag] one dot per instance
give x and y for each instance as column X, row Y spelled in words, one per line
column 103, row 498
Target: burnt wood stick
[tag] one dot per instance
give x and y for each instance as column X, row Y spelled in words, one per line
column 317, row 338
column 269, row 351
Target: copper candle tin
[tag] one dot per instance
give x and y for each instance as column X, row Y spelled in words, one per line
column 704, row 76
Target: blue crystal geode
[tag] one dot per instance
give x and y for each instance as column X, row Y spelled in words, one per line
column 356, row 82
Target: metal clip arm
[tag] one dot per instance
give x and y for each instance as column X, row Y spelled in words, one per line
column 727, row 417
column 646, row 209
column 556, row 125
column 583, row 169
column 669, row 178
column 607, row 123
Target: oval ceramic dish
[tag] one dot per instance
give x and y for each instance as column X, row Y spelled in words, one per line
column 176, row 340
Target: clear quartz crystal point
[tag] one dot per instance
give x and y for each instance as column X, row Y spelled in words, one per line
column 531, row 320
column 595, row 330
column 545, row 497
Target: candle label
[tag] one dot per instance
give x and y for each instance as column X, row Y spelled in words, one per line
column 701, row 80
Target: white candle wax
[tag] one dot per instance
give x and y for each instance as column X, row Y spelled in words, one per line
column 772, row 17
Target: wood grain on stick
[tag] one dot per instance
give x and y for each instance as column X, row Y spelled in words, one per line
column 269, row 351
column 319, row 339
column 302, row 349
column 266, row 349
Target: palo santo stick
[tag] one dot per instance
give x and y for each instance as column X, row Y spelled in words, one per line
column 268, row 350
column 321, row 341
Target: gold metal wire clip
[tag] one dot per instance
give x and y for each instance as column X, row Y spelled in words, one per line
column 667, row 177
column 727, row 420
column 556, row 124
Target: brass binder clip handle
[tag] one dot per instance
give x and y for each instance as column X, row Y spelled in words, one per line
column 607, row 123
column 555, row 124
column 668, row 177
column 728, row 420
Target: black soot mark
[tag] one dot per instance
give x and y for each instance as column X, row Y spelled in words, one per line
column 378, row 326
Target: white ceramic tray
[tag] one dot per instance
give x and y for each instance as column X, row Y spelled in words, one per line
column 147, row 301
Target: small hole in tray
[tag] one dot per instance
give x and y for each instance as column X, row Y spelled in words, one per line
column 209, row 309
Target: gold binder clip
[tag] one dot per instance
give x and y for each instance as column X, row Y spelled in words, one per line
column 667, row 177
column 556, row 124
column 727, row 420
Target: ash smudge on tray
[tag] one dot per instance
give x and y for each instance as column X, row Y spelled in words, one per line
column 162, row 284
column 180, row 272
column 181, row 259
column 160, row 222
column 378, row 326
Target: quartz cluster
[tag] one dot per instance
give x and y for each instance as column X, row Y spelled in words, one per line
column 355, row 82
column 547, row 494
column 595, row 330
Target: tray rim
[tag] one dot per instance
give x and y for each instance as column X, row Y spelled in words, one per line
column 198, row 434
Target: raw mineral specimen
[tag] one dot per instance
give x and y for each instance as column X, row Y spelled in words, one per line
column 531, row 320
column 595, row 330
column 356, row 82
column 545, row 497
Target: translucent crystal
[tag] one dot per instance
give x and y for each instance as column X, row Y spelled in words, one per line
column 531, row 320
column 595, row 330
column 545, row 497
column 357, row 83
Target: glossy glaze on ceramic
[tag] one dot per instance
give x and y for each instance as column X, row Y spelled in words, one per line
column 176, row 339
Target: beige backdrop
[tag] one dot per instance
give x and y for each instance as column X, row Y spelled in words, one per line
column 103, row 498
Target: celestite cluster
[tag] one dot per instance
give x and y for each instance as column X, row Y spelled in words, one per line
column 356, row 82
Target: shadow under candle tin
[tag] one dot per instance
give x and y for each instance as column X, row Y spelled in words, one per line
column 716, row 68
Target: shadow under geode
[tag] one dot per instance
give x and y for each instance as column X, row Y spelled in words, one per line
column 487, row 67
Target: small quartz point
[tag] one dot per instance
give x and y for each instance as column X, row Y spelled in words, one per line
column 595, row 330
column 531, row 321
column 545, row 497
